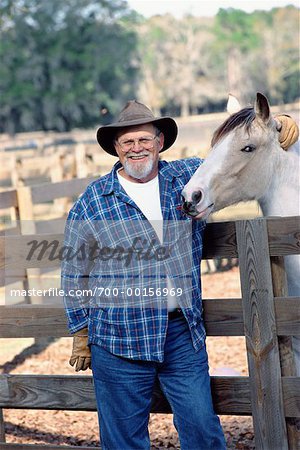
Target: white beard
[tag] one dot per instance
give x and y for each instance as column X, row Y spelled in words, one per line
column 139, row 171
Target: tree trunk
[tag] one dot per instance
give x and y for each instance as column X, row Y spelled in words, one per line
column 234, row 72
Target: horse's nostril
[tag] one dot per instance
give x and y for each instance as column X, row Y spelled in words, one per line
column 186, row 206
column 196, row 197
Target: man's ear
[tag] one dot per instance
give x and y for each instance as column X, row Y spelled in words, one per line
column 117, row 146
column 161, row 141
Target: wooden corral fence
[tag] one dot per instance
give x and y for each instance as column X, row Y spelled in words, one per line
column 54, row 163
column 264, row 314
column 18, row 209
column 17, row 206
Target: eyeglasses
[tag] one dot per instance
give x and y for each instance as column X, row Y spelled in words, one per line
column 146, row 142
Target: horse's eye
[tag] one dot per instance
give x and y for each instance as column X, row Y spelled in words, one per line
column 248, row 148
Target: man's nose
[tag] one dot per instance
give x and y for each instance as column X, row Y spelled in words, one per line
column 137, row 144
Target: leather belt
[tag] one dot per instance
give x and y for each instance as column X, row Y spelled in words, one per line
column 175, row 314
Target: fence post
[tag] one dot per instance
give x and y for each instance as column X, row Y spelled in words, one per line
column 80, row 161
column 261, row 339
column 285, row 346
column 2, row 428
column 27, row 226
column 56, row 175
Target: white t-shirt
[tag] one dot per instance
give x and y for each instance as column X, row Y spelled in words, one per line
column 146, row 197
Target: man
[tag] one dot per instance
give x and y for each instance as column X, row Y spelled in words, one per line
column 128, row 344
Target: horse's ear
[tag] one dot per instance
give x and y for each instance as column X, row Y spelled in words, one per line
column 262, row 108
column 233, row 105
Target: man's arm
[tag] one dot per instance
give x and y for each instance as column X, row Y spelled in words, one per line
column 75, row 272
column 74, row 279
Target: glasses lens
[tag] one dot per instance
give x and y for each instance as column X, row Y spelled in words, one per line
column 145, row 142
column 127, row 145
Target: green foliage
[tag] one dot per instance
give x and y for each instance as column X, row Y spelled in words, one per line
column 236, row 28
column 190, row 65
column 64, row 62
column 74, row 63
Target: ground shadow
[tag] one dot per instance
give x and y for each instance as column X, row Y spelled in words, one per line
column 49, row 438
column 38, row 347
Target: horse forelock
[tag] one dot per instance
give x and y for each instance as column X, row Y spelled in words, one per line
column 244, row 117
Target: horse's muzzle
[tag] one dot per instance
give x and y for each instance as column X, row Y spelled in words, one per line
column 190, row 207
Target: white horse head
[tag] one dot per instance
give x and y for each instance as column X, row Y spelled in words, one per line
column 243, row 163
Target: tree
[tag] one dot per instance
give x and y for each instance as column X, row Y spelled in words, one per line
column 281, row 54
column 258, row 52
column 235, row 38
column 64, row 62
column 173, row 62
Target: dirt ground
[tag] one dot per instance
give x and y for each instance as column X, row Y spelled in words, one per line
column 226, row 355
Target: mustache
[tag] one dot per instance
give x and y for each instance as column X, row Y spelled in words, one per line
column 143, row 153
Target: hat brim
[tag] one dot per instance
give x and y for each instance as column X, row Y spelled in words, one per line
column 107, row 133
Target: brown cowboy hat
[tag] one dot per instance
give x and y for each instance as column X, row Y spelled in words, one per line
column 135, row 113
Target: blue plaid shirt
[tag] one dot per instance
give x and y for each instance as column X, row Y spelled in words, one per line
column 136, row 331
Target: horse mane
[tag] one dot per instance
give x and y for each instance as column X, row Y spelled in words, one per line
column 244, row 117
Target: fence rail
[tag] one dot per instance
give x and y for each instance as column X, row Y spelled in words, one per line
column 223, row 317
column 75, row 393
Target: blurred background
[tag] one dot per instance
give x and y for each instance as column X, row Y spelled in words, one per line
column 74, row 63
column 68, row 66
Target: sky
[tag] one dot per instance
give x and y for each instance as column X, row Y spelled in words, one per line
column 203, row 8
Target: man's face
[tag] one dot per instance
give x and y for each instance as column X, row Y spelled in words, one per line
column 138, row 150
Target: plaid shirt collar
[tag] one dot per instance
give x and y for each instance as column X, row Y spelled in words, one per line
column 112, row 184
column 166, row 174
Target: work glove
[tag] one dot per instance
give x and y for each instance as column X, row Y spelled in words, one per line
column 81, row 354
column 288, row 130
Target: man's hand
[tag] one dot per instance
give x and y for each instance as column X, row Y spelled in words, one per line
column 81, row 354
column 288, row 131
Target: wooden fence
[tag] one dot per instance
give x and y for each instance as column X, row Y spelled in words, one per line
column 59, row 162
column 18, row 208
column 53, row 165
column 264, row 314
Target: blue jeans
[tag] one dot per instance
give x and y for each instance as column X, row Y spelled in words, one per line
column 124, row 389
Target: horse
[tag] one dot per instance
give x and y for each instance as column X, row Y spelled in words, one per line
column 245, row 163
